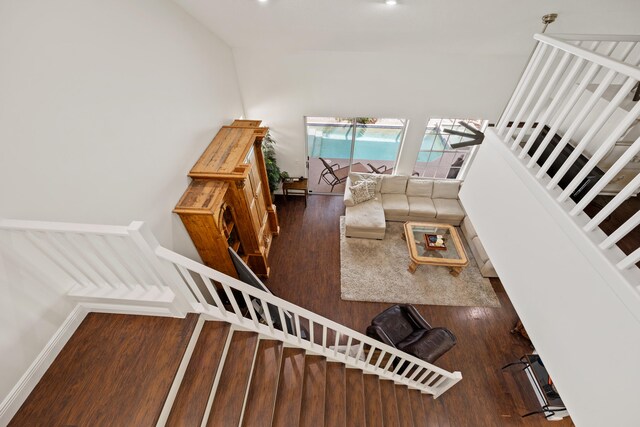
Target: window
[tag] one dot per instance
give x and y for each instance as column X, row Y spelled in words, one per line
column 437, row 159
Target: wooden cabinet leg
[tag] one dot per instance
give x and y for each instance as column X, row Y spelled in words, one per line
column 455, row 271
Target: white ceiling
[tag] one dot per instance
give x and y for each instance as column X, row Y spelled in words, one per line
column 489, row 26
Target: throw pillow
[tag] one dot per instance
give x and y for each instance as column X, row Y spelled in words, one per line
column 362, row 191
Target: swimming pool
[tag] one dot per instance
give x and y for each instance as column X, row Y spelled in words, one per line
column 371, row 143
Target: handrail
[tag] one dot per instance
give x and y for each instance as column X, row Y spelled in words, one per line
column 590, row 55
column 597, row 37
column 63, row 227
column 574, row 117
column 417, row 373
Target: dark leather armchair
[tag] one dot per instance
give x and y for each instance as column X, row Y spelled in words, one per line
column 402, row 327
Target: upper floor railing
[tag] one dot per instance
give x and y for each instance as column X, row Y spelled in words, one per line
column 573, row 121
column 127, row 266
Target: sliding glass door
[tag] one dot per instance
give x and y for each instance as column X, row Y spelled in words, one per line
column 336, row 146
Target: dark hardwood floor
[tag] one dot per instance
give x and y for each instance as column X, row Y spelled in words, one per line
column 90, row 384
column 305, row 261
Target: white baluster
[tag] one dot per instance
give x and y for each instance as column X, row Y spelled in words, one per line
column 611, row 173
column 542, row 99
column 593, row 130
column 600, row 153
column 57, row 257
column 567, row 83
column 532, row 93
column 566, row 109
column 66, row 245
column 620, row 232
column 252, row 310
column 520, row 88
column 630, row 260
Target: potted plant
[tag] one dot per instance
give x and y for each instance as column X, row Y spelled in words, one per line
column 273, row 171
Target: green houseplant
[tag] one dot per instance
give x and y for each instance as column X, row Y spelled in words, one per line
column 273, row 171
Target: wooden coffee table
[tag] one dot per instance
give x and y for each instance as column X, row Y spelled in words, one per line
column 453, row 256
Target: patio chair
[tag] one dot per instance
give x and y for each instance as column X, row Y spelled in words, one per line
column 333, row 174
column 384, row 170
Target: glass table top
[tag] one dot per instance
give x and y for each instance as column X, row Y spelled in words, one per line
column 417, row 234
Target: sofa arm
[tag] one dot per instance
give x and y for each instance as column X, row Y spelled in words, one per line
column 348, row 197
column 488, row 270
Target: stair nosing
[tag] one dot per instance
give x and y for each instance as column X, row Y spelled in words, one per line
column 179, row 376
column 246, row 392
column 216, row 379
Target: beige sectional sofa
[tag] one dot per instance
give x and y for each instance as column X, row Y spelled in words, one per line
column 402, row 198
column 484, row 263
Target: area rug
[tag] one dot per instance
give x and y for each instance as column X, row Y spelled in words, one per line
column 376, row 270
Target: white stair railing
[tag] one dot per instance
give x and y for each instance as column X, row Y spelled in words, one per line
column 581, row 87
column 325, row 336
column 96, row 262
column 127, row 266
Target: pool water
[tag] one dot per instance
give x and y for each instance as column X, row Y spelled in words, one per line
column 372, row 144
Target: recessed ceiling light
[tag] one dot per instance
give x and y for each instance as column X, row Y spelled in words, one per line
column 262, row 1
column 391, row 2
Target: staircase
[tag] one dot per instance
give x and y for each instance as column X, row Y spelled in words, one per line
column 147, row 371
column 124, row 271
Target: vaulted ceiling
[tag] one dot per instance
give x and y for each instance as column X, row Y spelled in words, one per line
column 491, row 26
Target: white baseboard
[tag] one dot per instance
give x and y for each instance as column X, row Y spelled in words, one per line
column 138, row 310
column 32, row 376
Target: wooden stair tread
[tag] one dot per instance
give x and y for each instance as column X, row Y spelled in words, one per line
column 290, row 384
column 335, row 407
column 404, row 406
column 90, row 381
column 355, row 398
column 372, row 401
column 191, row 400
column 234, row 380
column 390, row 415
column 417, row 408
column 313, row 392
column 264, row 385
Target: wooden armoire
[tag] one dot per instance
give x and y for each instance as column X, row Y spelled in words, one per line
column 228, row 203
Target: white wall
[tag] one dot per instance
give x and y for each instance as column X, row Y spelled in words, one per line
column 104, row 107
column 587, row 336
column 281, row 87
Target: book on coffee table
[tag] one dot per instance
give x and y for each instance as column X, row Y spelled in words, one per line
column 435, row 241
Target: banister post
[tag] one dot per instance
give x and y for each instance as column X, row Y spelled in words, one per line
column 147, row 243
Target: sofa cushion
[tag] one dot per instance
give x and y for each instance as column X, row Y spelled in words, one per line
column 446, row 189
column 481, row 252
column 394, row 184
column 362, row 191
column 395, row 204
column 448, row 209
column 468, row 229
column 355, row 177
column 366, row 215
column 421, row 207
column 419, row 187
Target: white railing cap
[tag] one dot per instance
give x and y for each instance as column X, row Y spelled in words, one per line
column 605, row 61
